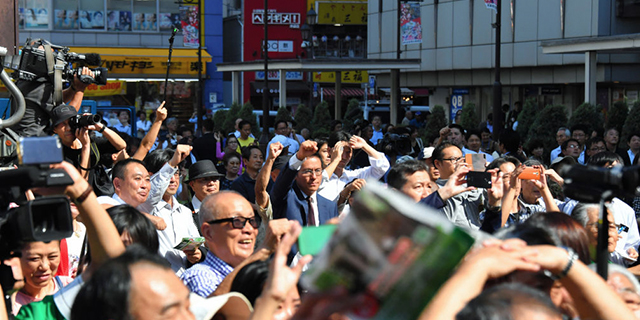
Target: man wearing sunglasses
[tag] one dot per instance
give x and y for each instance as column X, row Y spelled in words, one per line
column 229, row 226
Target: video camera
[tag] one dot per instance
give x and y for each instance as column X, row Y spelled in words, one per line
column 395, row 144
column 588, row 183
column 39, row 59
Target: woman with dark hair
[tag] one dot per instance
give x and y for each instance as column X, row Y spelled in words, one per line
column 134, row 227
column 568, row 231
column 231, row 146
column 232, row 163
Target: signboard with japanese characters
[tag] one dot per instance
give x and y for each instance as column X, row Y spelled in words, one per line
column 284, row 18
column 356, row 76
column 354, row 13
column 275, row 75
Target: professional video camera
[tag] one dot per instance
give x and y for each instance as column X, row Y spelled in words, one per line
column 589, row 183
column 39, row 59
column 395, row 144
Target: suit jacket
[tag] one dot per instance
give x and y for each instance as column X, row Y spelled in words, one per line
column 290, row 202
column 205, row 148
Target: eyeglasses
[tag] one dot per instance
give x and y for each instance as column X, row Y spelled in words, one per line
column 207, row 179
column 598, row 149
column 620, row 228
column 573, row 146
column 454, row 160
column 240, row 222
column 308, row 172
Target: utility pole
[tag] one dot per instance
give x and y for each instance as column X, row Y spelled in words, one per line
column 498, row 124
column 264, row 137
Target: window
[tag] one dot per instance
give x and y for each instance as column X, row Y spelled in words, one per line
column 119, row 15
column 91, row 15
column 169, row 15
column 145, row 17
column 65, row 15
column 34, row 14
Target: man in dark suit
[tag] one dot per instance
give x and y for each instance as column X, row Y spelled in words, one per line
column 204, row 148
column 294, row 195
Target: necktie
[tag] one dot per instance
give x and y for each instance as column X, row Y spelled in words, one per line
column 311, row 217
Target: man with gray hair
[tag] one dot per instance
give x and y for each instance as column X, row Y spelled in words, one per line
column 229, row 226
column 561, row 136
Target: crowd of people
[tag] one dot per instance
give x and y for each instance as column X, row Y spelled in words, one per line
column 134, row 200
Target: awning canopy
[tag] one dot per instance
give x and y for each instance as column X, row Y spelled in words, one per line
column 344, row 92
column 403, row 91
column 148, row 62
column 420, row 92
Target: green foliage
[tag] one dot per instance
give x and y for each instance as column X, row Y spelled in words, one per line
column 229, row 124
column 437, row 121
column 352, row 114
column 283, row 114
column 632, row 125
column 617, row 115
column 526, row 118
column 303, row 118
column 218, row 119
column 321, row 119
column 246, row 113
column 547, row 122
column 586, row 114
column 469, row 119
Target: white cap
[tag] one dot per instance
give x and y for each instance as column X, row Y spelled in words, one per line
column 427, row 152
column 233, row 305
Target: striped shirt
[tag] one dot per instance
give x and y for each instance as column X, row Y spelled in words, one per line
column 204, row 278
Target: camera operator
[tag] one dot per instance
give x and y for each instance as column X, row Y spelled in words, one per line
column 39, row 103
column 77, row 146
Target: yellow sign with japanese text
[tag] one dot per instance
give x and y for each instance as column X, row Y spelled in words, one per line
column 340, row 12
column 112, row 88
column 357, row 76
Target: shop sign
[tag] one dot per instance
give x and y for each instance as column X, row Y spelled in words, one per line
column 280, row 46
column 281, row 18
column 150, row 65
column 354, row 13
column 356, row 76
column 275, row 75
column 112, row 88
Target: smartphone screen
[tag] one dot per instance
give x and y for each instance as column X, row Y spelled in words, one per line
column 477, row 177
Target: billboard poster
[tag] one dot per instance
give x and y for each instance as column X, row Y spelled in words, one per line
column 190, row 25
column 410, row 26
column 91, row 19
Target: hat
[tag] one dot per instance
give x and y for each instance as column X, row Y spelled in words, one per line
column 233, row 305
column 61, row 113
column 203, row 169
column 427, row 152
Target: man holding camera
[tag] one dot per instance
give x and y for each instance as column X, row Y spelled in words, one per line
column 39, row 103
column 76, row 145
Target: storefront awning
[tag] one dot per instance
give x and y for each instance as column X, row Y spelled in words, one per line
column 148, row 63
column 344, row 92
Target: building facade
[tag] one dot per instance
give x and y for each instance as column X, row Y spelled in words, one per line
column 457, row 50
column 132, row 37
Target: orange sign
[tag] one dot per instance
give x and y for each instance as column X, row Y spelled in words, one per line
column 112, row 88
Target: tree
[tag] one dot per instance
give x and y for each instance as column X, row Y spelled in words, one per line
column 437, row 121
column 321, row 120
column 303, row 118
column 246, row 113
column 353, row 113
column 526, row 118
column 617, row 115
column 283, row 114
column 469, row 119
column 547, row 122
column 586, row 114
column 229, row 124
column 632, row 125
column 218, row 120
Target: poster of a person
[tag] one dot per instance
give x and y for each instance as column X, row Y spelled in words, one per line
column 85, row 20
column 98, row 19
column 138, row 21
column 151, row 22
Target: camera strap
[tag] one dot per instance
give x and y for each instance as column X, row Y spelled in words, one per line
column 54, row 70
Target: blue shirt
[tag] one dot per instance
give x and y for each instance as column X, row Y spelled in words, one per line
column 377, row 135
column 286, row 142
column 205, row 277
